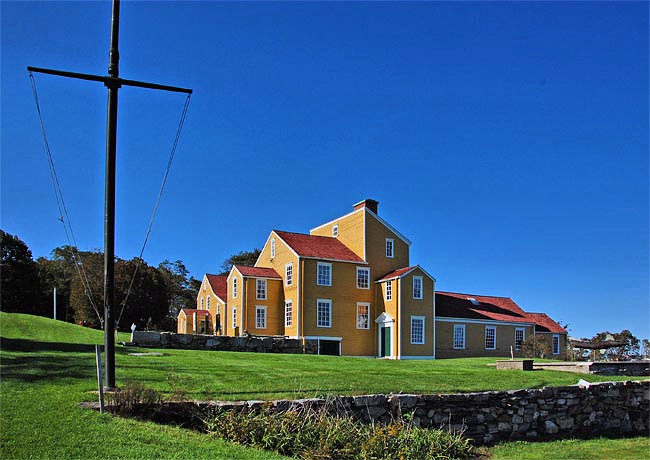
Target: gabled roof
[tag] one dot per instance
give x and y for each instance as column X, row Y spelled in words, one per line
column 219, row 285
column 257, row 272
column 191, row 311
column 318, row 247
column 544, row 323
column 400, row 272
column 456, row 305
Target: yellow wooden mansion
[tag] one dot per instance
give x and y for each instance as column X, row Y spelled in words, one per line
column 350, row 285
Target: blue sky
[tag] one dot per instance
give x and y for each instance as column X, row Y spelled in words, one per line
column 508, row 141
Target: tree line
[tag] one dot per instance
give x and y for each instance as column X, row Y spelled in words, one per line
column 157, row 293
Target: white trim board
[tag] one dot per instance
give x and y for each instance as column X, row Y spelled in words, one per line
column 417, row 357
column 481, row 321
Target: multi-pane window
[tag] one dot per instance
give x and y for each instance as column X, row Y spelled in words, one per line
column 490, row 337
column 520, row 335
column 335, row 231
column 417, row 330
column 288, row 271
column 324, row 313
column 218, row 309
column 556, row 344
column 208, row 302
column 363, row 278
column 324, row 274
column 234, row 287
column 272, row 248
column 288, row 313
column 260, row 317
column 459, row 336
column 234, row 317
column 417, row 287
column 261, row 289
column 202, row 302
column 363, row 316
column 390, row 247
column 389, row 290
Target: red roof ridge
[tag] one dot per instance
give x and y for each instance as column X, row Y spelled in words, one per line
column 318, row 247
column 473, row 295
column 264, row 272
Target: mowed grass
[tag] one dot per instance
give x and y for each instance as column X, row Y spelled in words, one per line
column 573, row 449
column 47, row 367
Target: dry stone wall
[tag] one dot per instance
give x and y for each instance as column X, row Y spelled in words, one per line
column 223, row 343
column 604, row 409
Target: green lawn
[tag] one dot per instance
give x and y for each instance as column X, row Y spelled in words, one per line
column 47, row 367
column 592, row 449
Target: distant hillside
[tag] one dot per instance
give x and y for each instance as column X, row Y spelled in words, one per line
column 38, row 328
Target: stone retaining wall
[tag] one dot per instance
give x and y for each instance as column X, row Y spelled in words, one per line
column 629, row 368
column 603, row 409
column 223, row 343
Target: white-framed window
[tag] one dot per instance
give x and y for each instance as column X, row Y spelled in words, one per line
column 234, row 287
column 556, row 344
column 324, row 274
column 363, row 315
column 490, row 337
column 390, row 247
column 335, row 231
column 417, row 287
column 261, row 289
column 417, row 330
column 520, row 336
column 260, row 317
column 204, row 286
column 288, row 313
column 288, row 272
column 218, row 309
column 202, row 302
column 363, row 278
column 208, row 302
column 323, row 313
column 459, row 336
column 234, row 317
column 272, row 248
column 389, row 290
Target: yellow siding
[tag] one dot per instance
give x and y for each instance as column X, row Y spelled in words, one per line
column 548, row 337
column 215, row 307
column 274, row 304
column 182, row 327
column 344, row 296
column 376, row 234
column 475, row 340
column 233, row 302
column 283, row 256
column 351, row 232
column 416, row 307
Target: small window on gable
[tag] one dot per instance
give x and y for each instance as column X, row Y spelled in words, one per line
column 389, row 290
column 335, row 231
column 417, row 287
column 208, row 302
column 390, row 247
column 202, row 301
column 272, row 248
column 234, row 287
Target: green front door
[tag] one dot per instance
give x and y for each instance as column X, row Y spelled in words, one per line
column 385, row 342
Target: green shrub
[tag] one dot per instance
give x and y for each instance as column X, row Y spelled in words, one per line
column 311, row 434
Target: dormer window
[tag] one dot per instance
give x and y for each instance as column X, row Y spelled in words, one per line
column 474, row 301
column 335, row 231
column 390, row 248
column 272, row 248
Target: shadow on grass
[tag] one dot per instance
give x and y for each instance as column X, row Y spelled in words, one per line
column 65, row 363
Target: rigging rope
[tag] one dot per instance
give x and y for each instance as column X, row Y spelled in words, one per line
column 155, row 208
column 63, row 211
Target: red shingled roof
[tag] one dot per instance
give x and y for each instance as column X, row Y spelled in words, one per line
column 318, row 247
column 545, row 323
column 397, row 273
column 259, row 272
column 191, row 311
column 219, row 285
column 455, row 305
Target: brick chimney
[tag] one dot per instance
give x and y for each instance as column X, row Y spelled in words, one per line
column 367, row 203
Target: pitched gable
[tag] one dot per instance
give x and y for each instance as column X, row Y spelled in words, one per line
column 219, row 285
column 318, row 247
